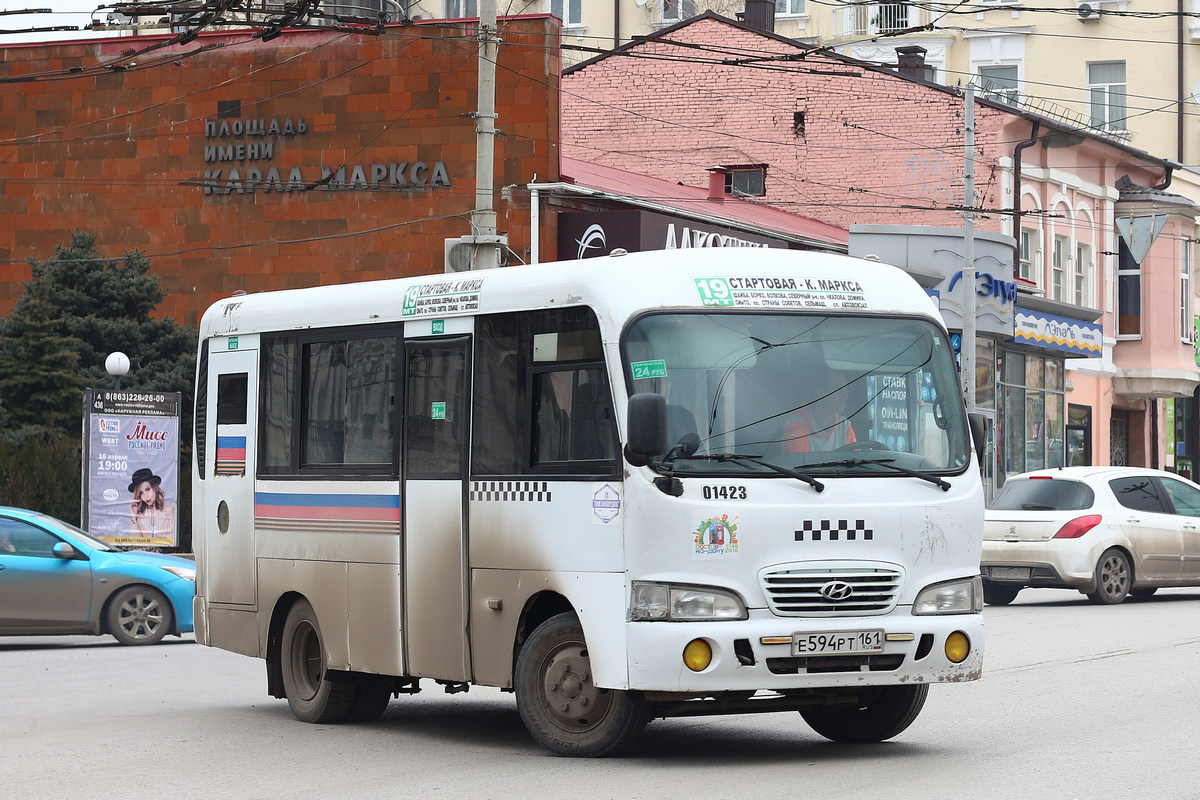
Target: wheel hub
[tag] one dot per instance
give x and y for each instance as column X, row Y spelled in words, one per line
column 574, row 701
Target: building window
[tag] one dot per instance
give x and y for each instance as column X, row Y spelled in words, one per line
column 999, row 83
column 1187, row 326
column 1129, row 293
column 1028, row 266
column 461, row 9
column 677, row 10
column 789, row 8
column 1106, row 83
column 1081, row 291
column 1031, row 415
column 569, row 11
column 747, row 181
column 1058, row 268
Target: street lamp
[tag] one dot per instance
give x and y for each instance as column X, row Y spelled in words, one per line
column 117, row 364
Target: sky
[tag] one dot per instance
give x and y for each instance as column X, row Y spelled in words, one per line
column 66, row 12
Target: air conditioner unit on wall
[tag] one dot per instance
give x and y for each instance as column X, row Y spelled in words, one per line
column 1086, row 11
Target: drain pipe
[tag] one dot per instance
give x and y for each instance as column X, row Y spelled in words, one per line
column 1032, row 140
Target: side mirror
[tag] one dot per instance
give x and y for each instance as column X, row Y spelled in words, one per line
column 647, row 427
column 65, row 551
column 978, row 424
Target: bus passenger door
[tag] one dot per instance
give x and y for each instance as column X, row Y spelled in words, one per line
column 228, row 505
column 434, row 468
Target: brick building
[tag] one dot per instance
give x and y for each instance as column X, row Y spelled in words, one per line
column 1082, row 341
column 235, row 164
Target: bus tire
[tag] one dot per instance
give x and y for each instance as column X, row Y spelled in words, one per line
column 562, row 709
column 311, row 696
column 880, row 713
column 371, row 699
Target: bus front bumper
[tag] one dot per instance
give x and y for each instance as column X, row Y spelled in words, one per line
column 759, row 653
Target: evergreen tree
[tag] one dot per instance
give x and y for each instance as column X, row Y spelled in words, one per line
column 40, row 386
column 93, row 306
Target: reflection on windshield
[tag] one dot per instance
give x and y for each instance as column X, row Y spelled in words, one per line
column 791, row 389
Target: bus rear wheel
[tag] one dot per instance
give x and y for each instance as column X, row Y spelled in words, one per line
column 880, row 713
column 311, row 696
column 562, row 708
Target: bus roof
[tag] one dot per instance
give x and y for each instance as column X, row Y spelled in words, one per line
column 617, row 286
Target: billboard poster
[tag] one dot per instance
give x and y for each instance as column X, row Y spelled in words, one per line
column 131, row 467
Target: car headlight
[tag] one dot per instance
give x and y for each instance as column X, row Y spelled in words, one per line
column 963, row 596
column 187, row 573
column 666, row 602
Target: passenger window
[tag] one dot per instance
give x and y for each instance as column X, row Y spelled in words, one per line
column 1139, row 493
column 349, row 395
column 1184, row 498
column 542, row 401
column 231, row 399
column 572, row 416
column 278, row 405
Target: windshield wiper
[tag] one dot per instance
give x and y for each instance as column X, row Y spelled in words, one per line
column 737, row 458
column 1037, row 507
column 885, row 462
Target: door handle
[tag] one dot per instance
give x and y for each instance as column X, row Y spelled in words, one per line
column 1134, row 520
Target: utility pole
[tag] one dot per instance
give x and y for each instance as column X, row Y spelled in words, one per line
column 967, row 354
column 483, row 219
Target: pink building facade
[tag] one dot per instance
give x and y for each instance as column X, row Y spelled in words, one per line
column 1083, row 337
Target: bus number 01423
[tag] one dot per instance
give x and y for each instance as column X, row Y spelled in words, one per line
column 724, row 492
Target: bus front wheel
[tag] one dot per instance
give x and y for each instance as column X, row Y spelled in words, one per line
column 880, row 713
column 311, row 696
column 562, row 708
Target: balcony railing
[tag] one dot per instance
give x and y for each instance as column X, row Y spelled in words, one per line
column 873, row 19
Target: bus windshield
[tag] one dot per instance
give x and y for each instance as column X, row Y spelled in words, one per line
column 828, row 395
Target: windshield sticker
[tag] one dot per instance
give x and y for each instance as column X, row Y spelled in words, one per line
column 443, row 297
column 437, row 411
column 716, row 537
column 781, row 292
column 649, row 369
column 606, row 505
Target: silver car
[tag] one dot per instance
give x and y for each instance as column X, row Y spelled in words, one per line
column 1109, row 532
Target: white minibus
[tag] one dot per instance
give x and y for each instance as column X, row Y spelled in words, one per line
column 677, row 483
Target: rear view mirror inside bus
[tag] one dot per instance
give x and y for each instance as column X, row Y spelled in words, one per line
column 647, row 428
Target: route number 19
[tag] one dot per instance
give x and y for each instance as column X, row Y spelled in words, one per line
column 714, row 292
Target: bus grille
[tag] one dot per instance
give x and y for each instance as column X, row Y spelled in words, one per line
column 832, row 590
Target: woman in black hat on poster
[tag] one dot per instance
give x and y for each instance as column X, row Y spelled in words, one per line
column 150, row 515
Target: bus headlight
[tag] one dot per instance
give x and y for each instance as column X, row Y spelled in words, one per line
column 666, row 602
column 964, row 596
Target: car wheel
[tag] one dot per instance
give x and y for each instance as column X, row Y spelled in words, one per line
column 1146, row 592
column 311, row 696
column 562, row 708
column 996, row 595
column 1113, row 577
column 139, row 615
column 880, row 713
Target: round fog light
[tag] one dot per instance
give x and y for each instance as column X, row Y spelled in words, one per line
column 697, row 655
column 958, row 647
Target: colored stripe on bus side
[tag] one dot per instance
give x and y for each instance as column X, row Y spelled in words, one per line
column 330, row 513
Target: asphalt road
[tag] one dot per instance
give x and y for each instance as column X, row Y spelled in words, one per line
column 1077, row 702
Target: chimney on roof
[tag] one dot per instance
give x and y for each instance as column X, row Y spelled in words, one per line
column 910, row 61
column 760, row 15
column 716, row 183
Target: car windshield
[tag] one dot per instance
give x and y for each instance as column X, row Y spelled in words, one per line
column 1043, row 494
column 58, row 525
column 823, row 394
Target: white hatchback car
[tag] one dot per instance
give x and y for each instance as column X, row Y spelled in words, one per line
column 1107, row 531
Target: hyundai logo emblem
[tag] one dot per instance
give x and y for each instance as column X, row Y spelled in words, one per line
column 836, row 590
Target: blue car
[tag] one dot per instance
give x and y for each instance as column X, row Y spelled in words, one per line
column 55, row 578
